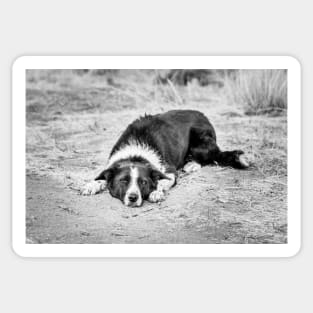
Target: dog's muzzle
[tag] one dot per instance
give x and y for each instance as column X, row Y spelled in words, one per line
column 133, row 200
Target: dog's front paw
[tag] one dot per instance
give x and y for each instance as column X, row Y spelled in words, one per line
column 156, row 196
column 93, row 188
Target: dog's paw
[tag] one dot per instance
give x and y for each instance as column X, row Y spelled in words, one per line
column 192, row 167
column 239, row 159
column 244, row 161
column 156, row 196
column 93, row 188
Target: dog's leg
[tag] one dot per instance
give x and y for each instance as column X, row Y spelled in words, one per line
column 93, row 187
column 211, row 155
column 205, row 150
column 235, row 159
column 192, row 167
column 163, row 186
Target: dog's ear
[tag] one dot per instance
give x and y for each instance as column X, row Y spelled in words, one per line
column 157, row 175
column 106, row 174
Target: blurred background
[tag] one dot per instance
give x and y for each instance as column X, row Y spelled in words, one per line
column 255, row 91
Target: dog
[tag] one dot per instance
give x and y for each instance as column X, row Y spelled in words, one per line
column 144, row 162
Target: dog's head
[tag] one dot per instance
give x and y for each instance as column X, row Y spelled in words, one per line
column 131, row 182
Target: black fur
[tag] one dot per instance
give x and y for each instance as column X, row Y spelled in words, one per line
column 179, row 136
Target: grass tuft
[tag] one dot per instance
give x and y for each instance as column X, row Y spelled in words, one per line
column 258, row 91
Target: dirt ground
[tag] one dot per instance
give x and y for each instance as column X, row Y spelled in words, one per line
column 73, row 120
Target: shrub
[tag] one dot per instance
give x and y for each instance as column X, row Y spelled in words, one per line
column 259, row 91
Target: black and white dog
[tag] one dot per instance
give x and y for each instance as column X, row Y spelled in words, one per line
column 143, row 163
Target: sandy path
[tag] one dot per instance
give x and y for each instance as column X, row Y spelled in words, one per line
column 199, row 209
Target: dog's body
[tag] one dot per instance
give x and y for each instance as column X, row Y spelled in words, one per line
column 143, row 163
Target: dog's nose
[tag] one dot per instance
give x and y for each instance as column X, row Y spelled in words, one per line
column 133, row 197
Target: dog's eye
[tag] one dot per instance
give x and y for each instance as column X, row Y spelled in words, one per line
column 123, row 181
column 144, row 182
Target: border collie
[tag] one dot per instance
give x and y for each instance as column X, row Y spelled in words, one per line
column 143, row 163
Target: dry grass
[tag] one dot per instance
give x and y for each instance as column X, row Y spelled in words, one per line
column 259, row 91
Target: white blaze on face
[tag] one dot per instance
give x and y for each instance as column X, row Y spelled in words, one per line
column 133, row 188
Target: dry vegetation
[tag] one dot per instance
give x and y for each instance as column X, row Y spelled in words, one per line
column 74, row 118
column 259, row 91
